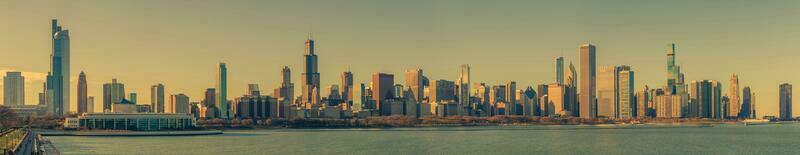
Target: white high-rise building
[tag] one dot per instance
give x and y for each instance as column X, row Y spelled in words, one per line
column 625, row 87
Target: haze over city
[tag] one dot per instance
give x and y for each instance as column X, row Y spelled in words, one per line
column 180, row 44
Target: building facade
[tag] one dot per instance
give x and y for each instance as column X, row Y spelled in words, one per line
column 560, row 70
column 706, row 100
column 310, row 78
column 606, row 91
column 178, row 104
column 625, row 101
column 588, row 87
column 13, row 89
column 785, row 102
column 157, row 98
column 222, row 92
column 347, row 88
column 58, row 83
column 136, row 121
column 382, row 87
column 112, row 92
column 735, row 105
column 463, row 83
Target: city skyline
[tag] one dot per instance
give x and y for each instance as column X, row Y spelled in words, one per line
column 532, row 67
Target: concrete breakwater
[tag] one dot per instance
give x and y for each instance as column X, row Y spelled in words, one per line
column 129, row 133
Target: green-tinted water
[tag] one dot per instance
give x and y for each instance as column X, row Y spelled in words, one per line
column 646, row 139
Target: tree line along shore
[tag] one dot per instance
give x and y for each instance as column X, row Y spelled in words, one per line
column 455, row 121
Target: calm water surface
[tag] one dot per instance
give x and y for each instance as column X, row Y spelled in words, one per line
column 644, row 139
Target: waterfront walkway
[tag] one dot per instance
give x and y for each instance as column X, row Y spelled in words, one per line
column 23, row 141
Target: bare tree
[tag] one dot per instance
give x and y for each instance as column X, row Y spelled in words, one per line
column 7, row 117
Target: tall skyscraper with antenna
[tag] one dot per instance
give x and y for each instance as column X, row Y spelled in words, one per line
column 675, row 82
column 463, row 88
column 310, row 77
column 58, row 77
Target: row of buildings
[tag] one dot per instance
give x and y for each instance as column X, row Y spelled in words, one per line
column 587, row 92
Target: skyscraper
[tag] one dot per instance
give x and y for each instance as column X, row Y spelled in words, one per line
column 707, row 99
column 414, row 83
column 347, row 88
column 748, row 109
column 13, row 89
column 588, row 102
column 675, row 83
column 382, row 86
column 157, row 98
column 334, row 96
column 497, row 95
column 442, row 91
column 606, row 95
column 735, row 103
column 542, row 93
column 643, row 102
column 753, row 105
column 570, row 91
column 463, row 86
column 133, row 98
column 560, row 70
column 785, row 104
column 481, row 92
column 571, row 76
column 625, row 87
column 112, row 92
column 210, row 99
column 511, row 98
column 310, row 75
column 286, row 91
column 222, row 92
column 555, row 100
column 82, row 95
column 178, row 104
column 90, row 104
column 529, row 102
column 58, row 77
column 253, row 90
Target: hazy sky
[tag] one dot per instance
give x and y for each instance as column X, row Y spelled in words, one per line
column 179, row 43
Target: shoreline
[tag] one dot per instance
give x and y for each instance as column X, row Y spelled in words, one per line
column 514, row 126
column 102, row 133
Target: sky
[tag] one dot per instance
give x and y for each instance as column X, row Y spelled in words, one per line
column 180, row 42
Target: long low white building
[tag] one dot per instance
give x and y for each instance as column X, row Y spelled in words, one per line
column 132, row 121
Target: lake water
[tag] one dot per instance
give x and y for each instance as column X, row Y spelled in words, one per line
column 642, row 139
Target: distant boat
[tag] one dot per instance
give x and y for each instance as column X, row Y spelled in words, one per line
column 755, row 121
